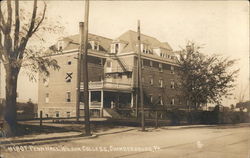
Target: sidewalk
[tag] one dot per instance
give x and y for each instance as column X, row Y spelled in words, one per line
column 50, row 138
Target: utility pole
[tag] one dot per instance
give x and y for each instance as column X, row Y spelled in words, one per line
column 140, row 77
column 84, row 55
column 78, row 80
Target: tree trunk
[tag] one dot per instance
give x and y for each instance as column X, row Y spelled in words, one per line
column 10, row 104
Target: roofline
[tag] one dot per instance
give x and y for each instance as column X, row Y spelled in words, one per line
column 88, row 34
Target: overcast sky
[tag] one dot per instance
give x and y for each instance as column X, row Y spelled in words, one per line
column 223, row 26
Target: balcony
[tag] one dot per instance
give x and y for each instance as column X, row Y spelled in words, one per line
column 108, row 85
column 118, row 69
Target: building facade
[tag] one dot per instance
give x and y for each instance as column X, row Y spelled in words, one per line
column 113, row 76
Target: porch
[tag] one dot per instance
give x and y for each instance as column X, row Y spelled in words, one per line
column 106, row 99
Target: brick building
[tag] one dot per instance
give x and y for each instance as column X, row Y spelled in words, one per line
column 112, row 66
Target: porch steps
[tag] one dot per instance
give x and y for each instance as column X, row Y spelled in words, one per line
column 107, row 112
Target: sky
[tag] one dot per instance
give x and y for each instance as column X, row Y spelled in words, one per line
column 222, row 27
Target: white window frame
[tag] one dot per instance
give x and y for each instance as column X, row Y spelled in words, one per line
column 116, row 49
column 172, row 69
column 68, row 96
column 151, row 63
column 151, row 98
column 46, row 97
column 161, row 100
column 151, row 81
column 110, row 65
column 60, row 45
column 161, row 83
column 172, row 85
column 46, row 82
column 172, row 101
column 160, row 67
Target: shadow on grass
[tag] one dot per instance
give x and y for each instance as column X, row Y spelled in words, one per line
column 26, row 129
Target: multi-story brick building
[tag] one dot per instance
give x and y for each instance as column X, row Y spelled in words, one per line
column 113, row 75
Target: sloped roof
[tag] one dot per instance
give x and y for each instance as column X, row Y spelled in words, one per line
column 73, row 41
column 131, row 38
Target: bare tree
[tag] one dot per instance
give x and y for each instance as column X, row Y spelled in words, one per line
column 17, row 28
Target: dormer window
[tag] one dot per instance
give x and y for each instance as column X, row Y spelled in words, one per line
column 145, row 48
column 95, row 45
column 60, row 45
column 116, row 48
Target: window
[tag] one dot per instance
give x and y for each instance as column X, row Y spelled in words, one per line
column 160, row 100
column 151, row 81
column 172, row 84
column 116, row 48
column 57, row 113
column 109, row 63
column 145, row 48
column 142, row 79
column 46, row 97
column 151, row 63
column 60, row 45
column 68, row 114
column 172, row 69
column 68, row 76
column 68, row 97
column 160, row 67
column 46, row 82
column 172, row 101
column 96, row 46
column 161, row 83
column 69, row 63
column 151, row 98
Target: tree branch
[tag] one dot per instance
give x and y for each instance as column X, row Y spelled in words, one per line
column 3, row 51
column 43, row 15
column 17, row 26
column 25, row 39
column 2, row 22
column 9, row 19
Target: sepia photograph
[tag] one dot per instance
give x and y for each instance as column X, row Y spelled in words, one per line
column 124, row 78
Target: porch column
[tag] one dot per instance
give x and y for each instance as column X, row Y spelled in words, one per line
column 132, row 100
column 101, row 110
column 89, row 98
column 102, row 98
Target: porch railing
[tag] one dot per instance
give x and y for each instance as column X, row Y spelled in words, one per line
column 104, row 84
